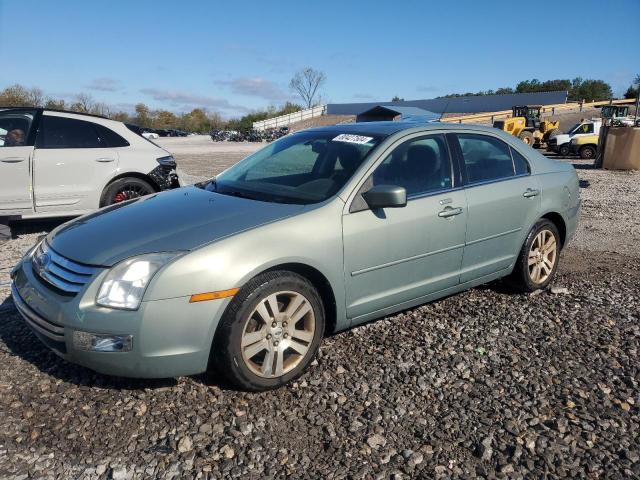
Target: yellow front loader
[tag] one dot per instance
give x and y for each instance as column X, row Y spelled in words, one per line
column 526, row 124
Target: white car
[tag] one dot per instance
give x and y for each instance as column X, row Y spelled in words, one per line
column 58, row 163
column 150, row 135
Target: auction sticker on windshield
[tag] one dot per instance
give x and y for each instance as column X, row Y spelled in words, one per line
column 359, row 139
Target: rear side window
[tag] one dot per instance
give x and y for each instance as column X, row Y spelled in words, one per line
column 60, row 132
column 420, row 166
column 15, row 126
column 485, row 158
column 110, row 138
column 520, row 163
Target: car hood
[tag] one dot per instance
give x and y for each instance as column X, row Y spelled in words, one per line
column 176, row 220
column 562, row 138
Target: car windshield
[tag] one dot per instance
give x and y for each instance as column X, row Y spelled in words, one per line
column 574, row 128
column 306, row 167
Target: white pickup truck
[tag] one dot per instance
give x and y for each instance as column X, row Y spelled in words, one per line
column 560, row 143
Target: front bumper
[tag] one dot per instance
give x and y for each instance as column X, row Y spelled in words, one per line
column 166, row 177
column 170, row 337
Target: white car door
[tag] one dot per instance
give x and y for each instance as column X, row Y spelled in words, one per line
column 16, row 150
column 71, row 165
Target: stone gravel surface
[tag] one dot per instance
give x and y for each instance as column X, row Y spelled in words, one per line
column 488, row 383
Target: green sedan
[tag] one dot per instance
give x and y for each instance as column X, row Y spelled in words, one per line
column 317, row 232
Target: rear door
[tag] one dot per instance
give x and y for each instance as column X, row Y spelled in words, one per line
column 16, row 150
column 71, row 164
column 503, row 199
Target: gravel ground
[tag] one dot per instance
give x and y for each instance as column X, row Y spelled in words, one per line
column 486, row 383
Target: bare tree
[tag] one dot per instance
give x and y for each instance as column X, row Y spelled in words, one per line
column 306, row 84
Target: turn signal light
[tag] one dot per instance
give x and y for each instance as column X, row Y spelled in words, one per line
column 203, row 297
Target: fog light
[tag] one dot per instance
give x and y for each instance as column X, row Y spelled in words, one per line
column 98, row 342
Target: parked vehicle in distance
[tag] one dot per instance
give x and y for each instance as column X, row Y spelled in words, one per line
column 58, row 163
column 317, row 232
column 584, row 145
column 526, row 123
column 560, row 143
column 150, row 135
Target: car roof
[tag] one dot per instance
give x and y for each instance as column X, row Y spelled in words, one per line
column 44, row 109
column 386, row 128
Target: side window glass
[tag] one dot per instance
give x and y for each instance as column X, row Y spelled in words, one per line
column 589, row 128
column 109, row 137
column 14, row 127
column 485, row 158
column 60, row 132
column 420, row 166
column 520, row 163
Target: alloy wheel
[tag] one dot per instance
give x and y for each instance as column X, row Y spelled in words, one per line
column 543, row 255
column 130, row 191
column 278, row 334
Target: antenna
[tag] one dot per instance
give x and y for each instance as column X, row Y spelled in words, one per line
column 445, row 108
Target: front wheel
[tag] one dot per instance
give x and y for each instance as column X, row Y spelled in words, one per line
column 125, row 189
column 527, row 137
column 564, row 150
column 538, row 259
column 587, row 152
column 270, row 332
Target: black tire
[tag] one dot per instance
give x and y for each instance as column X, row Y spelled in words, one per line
column 554, row 133
column 527, row 137
column 588, row 152
column 125, row 189
column 226, row 353
column 521, row 277
column 564, row 150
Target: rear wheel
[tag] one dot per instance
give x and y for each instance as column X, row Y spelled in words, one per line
column 538, row 259
column 125, row 189
column 270, row 332
column 587, row 152
column 527, row 137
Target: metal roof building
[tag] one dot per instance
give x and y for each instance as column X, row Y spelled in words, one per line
column 470, row 104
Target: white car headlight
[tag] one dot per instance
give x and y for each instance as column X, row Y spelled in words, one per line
column 126, row 282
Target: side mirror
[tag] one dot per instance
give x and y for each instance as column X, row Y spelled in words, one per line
column 385, row 196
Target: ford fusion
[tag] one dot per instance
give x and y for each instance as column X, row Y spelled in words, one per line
column 315, row 233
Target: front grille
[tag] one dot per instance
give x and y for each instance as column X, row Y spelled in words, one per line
column 53, row 332
column 65, row 275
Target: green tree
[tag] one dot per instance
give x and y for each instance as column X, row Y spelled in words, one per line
column 589, row 90
column 55, row 103
column 632, row 91
column 396, row 98
column 143, row 116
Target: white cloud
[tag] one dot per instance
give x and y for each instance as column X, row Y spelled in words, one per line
column 188, row 100
column 104, row 84
column 257, row 87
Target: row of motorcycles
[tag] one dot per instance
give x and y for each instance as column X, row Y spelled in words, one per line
column 248, row 135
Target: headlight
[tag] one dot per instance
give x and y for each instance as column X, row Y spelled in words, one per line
column 167, row 161
column 125, row 284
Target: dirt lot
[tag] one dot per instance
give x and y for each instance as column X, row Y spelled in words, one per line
column 486, row 383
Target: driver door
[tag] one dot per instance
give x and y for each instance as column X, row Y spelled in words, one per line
column 395, row 256
column 16, row 152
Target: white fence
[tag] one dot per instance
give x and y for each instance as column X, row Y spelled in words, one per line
column 284, row 120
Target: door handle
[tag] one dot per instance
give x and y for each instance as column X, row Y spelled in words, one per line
column 531, row 192
column 450, row 212
column 12, row 159
column 105, row 159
